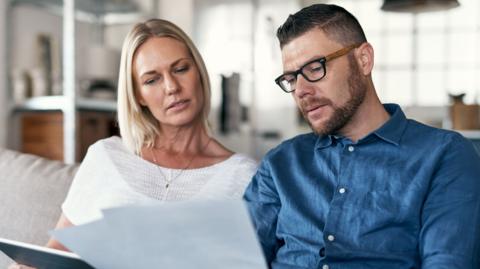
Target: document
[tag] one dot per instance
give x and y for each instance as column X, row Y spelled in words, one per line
column 193, row 234
column 41, row 257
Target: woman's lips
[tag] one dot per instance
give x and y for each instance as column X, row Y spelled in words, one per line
column 178, row 105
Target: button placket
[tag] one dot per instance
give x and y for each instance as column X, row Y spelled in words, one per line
column 339, row 199
column 322, row 252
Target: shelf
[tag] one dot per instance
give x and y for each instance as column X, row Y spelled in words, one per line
column 45, row 103
column 97, row 104
column 42, row 103
column 99, row 13
column 470, row 134
column 92, row 11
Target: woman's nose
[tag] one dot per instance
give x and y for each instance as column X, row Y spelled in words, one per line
column 171, row 84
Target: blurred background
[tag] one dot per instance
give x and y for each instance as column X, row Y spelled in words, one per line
column 59, row 65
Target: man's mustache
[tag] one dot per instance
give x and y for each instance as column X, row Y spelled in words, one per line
column 311, row 102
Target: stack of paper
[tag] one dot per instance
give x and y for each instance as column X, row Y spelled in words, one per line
column 195, row 234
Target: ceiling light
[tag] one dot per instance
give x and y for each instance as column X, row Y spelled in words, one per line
column 417, row 6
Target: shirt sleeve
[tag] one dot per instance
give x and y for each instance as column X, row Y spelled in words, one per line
column 450, row 232
column 264, row 205
column 78, row 203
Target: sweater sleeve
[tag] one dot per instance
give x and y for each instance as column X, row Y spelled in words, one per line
column 91, row 188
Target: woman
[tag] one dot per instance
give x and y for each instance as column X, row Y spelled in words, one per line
column 166, row 152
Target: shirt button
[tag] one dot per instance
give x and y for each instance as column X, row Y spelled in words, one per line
column 342, row 190
column 325, row 266
column 331, row 238
column 351, row 148
column 322, row 252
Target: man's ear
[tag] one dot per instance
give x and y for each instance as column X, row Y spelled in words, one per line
column 365, row 58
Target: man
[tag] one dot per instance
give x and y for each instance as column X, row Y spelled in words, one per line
column 368, row 188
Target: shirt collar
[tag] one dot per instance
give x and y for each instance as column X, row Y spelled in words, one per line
column 391, row 131
column 324, row 141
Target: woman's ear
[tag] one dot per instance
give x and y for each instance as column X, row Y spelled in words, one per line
column 365, row 58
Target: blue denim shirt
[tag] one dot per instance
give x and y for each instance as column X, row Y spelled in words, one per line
column 405, row 196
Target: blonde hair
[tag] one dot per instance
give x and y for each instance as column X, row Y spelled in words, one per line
column 138, row 127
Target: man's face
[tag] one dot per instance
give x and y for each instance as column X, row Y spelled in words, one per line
column 327, row 105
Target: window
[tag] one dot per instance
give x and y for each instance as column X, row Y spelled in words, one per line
column 421, row 58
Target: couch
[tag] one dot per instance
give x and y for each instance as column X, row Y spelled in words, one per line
column 32, row 190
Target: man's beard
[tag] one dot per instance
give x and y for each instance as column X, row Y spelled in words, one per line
column 342, row 114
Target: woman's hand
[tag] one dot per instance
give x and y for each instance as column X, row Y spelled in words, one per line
column 62, row 223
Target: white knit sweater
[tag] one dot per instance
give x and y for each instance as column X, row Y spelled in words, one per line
column 112, row 176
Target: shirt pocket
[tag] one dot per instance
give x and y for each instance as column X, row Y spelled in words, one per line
column 382, row 221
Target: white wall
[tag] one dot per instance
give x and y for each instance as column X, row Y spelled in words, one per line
column 29, row 21
column 239, row 36
column 180, row 12
column 3, row 72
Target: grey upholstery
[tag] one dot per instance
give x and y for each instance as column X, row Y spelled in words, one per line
column 31, row 192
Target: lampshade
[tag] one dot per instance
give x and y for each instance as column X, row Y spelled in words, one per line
column 417, row 6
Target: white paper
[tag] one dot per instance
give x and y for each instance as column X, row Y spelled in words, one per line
column 193, row 234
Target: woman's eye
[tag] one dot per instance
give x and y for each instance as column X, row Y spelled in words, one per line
column 150, row 81
column 181, row 69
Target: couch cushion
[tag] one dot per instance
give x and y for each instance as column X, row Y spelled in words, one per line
column 31, row 192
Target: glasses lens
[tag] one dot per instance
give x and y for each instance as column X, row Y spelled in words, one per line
column 314, row 71
column 287, row 82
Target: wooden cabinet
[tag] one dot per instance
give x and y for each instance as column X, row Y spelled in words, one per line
column 42, row 132
column 92, row 126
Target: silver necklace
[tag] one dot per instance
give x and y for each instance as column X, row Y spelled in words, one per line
column 167, row 184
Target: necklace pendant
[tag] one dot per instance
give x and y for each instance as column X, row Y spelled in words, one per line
column 167, row 185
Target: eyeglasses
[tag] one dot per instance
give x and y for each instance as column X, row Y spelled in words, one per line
column 312, row 71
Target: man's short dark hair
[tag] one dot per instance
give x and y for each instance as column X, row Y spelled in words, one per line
column 336, row 22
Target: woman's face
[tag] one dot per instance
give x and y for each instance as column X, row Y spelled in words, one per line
column 167, row 81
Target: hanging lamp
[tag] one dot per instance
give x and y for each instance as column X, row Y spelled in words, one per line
column 418, row 6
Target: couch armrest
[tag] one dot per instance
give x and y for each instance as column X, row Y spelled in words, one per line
column 32, row 190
